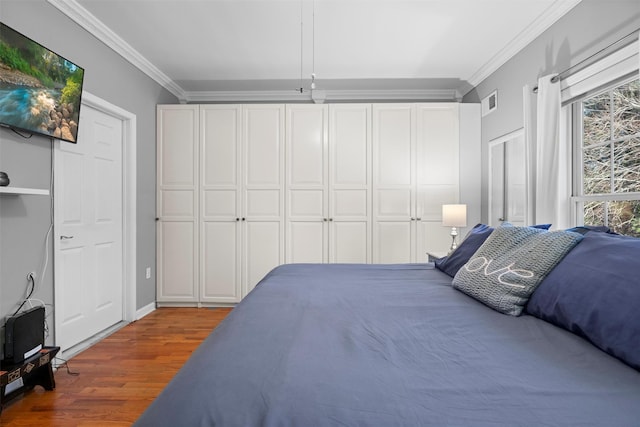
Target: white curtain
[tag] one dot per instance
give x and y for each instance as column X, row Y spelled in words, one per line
column 552, row 183
column 529, row 144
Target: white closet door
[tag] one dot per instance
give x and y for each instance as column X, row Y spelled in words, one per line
column 220, row 203
column 437, row 151
column 508, row 180
column 350, row 183
column 177, row 203
column 516, row 180
column 306, row 183
column 393, row 183
column 496, row 184
column 263, row 191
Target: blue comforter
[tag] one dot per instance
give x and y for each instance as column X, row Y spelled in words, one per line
column 390, row 345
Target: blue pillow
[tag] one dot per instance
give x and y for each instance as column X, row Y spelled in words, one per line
column 594, row 292
column 474, row 239
column 584, row 229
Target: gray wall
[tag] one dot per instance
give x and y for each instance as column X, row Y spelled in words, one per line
column 24, row 220
column 587, row 28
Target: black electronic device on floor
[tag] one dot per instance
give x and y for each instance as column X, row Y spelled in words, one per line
column 23, row 335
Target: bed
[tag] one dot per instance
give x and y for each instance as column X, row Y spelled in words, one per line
column 395, row 345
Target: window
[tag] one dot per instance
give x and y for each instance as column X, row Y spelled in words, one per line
column 607, row 158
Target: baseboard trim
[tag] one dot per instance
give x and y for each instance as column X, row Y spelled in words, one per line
column 147, row 309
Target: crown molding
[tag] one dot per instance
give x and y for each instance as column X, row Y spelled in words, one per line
column 94, row 26
column 558, row 9
column 327, row 95
column 247, row 96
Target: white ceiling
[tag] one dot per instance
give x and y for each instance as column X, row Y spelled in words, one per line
column 219, row 49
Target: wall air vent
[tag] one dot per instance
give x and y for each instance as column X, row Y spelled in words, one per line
column 490, row 103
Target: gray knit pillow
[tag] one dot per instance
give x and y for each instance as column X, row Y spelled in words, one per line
column 510, row 264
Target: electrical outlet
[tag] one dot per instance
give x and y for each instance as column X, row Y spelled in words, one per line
column 148, row 273
column 31, row 276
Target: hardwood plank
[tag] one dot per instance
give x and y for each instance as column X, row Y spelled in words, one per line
column 119, row 376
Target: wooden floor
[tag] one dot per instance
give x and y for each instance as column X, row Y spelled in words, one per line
column 119, row 376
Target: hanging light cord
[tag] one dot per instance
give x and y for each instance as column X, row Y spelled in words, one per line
column 313, row 41
column 301, row 47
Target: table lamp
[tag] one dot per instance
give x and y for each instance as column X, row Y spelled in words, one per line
column 454, row 216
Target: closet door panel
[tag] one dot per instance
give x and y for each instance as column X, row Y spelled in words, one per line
column 393, row 145
column 350, row 204
column 220, row 203
column 263, row 191
column 219, row 153
column 350, row 242
column 266, row 203
column 220, row 261
column 430, row 201
column 350, row 183
column 306, row 146
column 177, row 275
column 437, row 183
column 437, row 144
column 264, row 145
column 263, row 250
column 306, row 242
column 177, row 203
column 350, row 145
column 393, row 182
column 393, row 240
column 306, row 183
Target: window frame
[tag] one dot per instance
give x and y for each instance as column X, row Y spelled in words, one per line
column 576, row 105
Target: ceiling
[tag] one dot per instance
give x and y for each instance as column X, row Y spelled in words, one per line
column 240, row 50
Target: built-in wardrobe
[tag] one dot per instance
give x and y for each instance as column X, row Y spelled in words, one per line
column 244, row 188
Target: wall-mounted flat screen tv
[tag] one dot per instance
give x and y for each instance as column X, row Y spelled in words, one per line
column 40, row 91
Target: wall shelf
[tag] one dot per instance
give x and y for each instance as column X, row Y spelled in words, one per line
column 23, row 191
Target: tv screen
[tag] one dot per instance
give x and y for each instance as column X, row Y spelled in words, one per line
column 40, row 91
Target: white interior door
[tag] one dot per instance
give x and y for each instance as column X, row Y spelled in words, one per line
column 88, row 229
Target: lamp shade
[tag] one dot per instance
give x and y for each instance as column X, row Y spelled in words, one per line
column 454, row 215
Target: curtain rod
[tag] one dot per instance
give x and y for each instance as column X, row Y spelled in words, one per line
column 624, row 41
